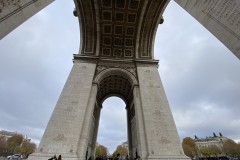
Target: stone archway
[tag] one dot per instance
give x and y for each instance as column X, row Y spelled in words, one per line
column 73, row 127
column 121, row 32
column 115, row 58
column 115, row 82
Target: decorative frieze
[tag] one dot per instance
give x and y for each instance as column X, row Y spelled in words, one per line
column 221, row 18
column 7, row 3
column 126, row 66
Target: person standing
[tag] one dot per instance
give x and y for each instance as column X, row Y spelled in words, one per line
column 118, row 157
column 59, row 157
column 53, row 158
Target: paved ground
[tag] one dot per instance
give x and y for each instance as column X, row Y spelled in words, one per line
column 3, row 158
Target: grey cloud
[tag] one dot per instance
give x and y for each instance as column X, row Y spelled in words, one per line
column 113, row 123
column 200, row 76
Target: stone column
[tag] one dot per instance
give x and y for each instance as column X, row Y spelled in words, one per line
column 129, row 132
column 156, row 129
column 85, row 135
column 95, row 131
column 141, row 147
column 221, row 18
column 68, row 128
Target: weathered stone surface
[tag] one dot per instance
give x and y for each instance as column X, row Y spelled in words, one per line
column 220, row 17
column 14, row 12
column 115, row 59
column 68, row 129
column 157, row 130
column 72, row 129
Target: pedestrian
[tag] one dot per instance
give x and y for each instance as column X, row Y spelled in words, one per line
column 59, row 157
column 53, row 158
column 99, row 157
column 118, row 157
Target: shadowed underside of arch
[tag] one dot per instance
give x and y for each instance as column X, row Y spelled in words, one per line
column 114, row 85
column 119, row 28
column 115, row 82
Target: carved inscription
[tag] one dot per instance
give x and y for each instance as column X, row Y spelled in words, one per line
column 10, row 7
column 164, row 140
column 8, row 3
column 59, row 137
column 157, row 118
column 224, row 12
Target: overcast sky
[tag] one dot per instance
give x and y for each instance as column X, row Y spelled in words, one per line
column 201, row 76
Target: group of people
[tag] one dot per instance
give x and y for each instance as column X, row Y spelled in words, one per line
column 118, row 157
column 55, row 157
column 98, row 158
column 126, row 158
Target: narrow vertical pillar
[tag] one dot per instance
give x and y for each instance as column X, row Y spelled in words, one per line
column 95, row 131
column 155, row 124
column 141, row 148
column 129, row 131
column 85, row 139
column 68, row 128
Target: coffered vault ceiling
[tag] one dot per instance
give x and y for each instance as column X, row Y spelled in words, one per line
column 119, row 28
column 116, row 85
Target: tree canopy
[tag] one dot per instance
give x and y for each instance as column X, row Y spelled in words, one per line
column 189, row 147
column 13, row 143
column 101, row 151
column 210, row 151
column 231, row 148
column 122, row 150
column 16, row 144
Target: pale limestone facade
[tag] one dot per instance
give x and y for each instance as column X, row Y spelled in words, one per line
column 72, row 129
column 215, row 141
column 14, row 12
column 220, row 17
column 116, row 59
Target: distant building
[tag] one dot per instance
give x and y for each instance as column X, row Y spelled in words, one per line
column 215, row 141
column 9, row 134
column 124, row 144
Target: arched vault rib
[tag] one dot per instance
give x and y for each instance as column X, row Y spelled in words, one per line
column 115, row 82
column 115, row 85
column 119, row 28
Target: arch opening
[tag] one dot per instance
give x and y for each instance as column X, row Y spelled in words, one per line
column 115, row 82
column 115, row 87
column 113, row 124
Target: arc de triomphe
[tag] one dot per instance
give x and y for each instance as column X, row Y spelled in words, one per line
column 116, row 59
